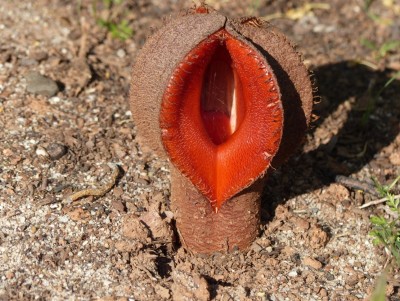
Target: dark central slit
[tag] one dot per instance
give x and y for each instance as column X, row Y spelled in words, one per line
column 221, row 100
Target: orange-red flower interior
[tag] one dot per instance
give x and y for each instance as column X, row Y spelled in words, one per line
column 221, row 116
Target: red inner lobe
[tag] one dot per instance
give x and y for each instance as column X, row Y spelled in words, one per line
column 221, row 116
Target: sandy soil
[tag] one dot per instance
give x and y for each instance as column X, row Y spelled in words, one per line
column 60, row 132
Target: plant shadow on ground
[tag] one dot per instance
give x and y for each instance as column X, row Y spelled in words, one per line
column 363, row 121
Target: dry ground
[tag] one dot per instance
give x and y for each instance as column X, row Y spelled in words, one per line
column 314, row 243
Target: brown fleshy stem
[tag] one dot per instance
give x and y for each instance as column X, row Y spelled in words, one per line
column 201, row 230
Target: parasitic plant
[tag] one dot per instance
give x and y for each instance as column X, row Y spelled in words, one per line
column 224, row 100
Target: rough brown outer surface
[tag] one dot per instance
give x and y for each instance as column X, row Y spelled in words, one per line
column 293, row 79
column 154, row 65
column 237, row 222
column 236, row 225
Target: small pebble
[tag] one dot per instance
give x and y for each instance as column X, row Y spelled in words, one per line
column 329, row 276
column 54, row 100
column 256, row 247
column 64, row 219
column 40, row 151
column 56, row 151
column 312, row 263
column 323, row 292
column 269, row 249
column 121, row 53
column 352, row 280
column 39, row 84
column 9, row 275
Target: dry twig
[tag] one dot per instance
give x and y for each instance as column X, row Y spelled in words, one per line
column 356, row 185
column 96, row 192
column 379, row 201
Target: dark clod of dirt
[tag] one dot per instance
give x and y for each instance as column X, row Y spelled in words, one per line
column 56, row 151
column 39, row 84
column 39, row 56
